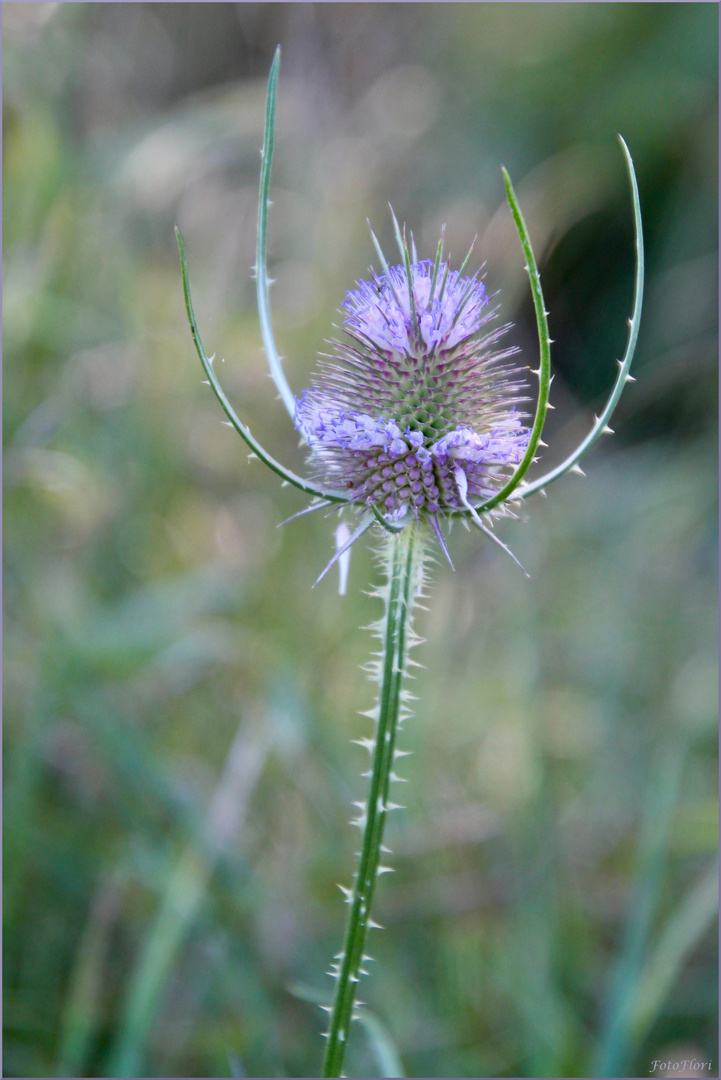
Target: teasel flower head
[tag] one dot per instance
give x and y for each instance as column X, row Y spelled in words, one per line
column 414, row 415
column 416, row 412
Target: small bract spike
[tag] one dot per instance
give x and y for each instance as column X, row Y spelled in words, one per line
column 368, row 744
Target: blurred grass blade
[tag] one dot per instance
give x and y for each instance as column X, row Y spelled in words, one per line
column 624, row 366
column 384, row 1049
column 389, row 1062
column 184, row 893
column 261, row 268
column 236, row 1066
column 81, row 1015
column 676, row 941
column 616, row 1041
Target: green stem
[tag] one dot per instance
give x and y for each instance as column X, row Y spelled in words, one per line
column 404, row 563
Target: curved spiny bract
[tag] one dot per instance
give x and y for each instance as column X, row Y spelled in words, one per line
column 243, row 430
column 600, row 425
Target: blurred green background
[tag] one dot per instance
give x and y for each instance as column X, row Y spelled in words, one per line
column 179, row 703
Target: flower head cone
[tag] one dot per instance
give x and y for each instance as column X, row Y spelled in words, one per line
column 415, row 413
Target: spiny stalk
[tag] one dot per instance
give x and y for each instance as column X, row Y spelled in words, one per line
column 404, row 568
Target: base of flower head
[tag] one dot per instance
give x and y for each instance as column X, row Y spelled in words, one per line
column 399, row 470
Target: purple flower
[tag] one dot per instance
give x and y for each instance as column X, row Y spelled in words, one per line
column 415, row 413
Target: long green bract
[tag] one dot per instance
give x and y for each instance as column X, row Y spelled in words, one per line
column 261, row 267
column 242, row 429
column 624, row 366
column 404, row 573
column 544, row 367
